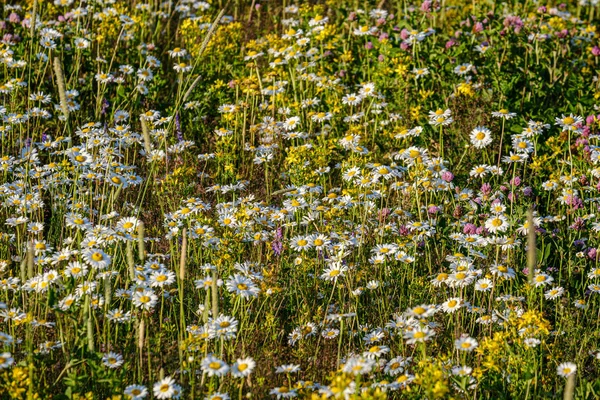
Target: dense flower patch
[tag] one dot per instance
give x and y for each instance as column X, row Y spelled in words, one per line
column 335, row 200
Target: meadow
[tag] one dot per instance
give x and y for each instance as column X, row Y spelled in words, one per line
column 328, row 199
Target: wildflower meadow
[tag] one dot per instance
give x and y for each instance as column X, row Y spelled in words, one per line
column 325, row 199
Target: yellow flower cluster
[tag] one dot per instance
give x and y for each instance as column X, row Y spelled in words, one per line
column 432, row 379
column 14, row 384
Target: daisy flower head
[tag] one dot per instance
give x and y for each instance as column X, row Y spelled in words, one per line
column 542, row 279
column 376, row 351
column 503, row 271
column 452, row 304
column 482, row 48
column 76, row 269
column 367, row 89
column 103, row 77
column 166, row 388
column 481, row 137
column 466, row 344
column 287, row 369
column 440, row 113
column 440, row 117
column 462, row 370
column 96, row 258
column 6, row 339
column 242, row 286
column 521, row 144
column 6, row 360
column 291, row 123
column 135, row 392
column 419, row 334
column 395, row 366
column 224, row 326
column 594, row 288
column 484, row 285
column 330, row 333
column 213, row 366
column 415, row 155
column 177, row 52
column 112, row 360
column 243, row 367
column 352, row 99
column 479, row 171
column 227, row 220
column 145, row 299
column 497, row 223
column 218, row 396
column 531, row 342
column 594, row 273
column 569, row 123
column 358, row 365
column 503, row 113
column 81, row 43
column 566, row 369
column 334, row 271
column 161, row 278
column 463, row 69
column 581, row 304
column 301, row 243
column 320, row 241
column 515, row 157
column 420, row 72
column 128, row 224
column 283, row 392
column 378, row 13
